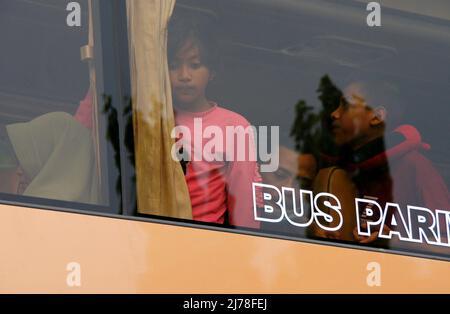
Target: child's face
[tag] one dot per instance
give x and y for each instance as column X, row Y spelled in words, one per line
column 189, row 77
column 351, row 120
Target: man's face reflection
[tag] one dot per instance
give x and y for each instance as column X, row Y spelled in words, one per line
column 286, row 173
column 294, row 171
column 351, row 120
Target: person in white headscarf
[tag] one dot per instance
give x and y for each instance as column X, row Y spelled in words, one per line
column 53, row 159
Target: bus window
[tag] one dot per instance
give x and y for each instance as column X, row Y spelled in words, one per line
column 295, row 119
column 53, row 133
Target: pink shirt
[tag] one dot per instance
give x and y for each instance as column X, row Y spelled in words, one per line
column 219, row 187
column 84, row 111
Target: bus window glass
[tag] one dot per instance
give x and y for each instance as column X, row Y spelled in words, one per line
column 52, row 136
column 297, row 118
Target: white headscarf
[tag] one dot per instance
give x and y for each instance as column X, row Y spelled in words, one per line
column 56, row 153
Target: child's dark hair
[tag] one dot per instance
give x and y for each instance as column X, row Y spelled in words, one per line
column 199, row 29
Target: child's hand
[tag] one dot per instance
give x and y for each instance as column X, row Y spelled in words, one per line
column 373, row 236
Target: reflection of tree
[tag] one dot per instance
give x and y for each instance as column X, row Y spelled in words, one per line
column 112, row 135
column 129, row 135
column 330, row 97
column 305, row 128
column 311, row 131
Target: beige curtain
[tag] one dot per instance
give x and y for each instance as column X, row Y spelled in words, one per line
column 161, row 187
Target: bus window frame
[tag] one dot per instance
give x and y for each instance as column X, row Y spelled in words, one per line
column 112, row 28
column 110, row 78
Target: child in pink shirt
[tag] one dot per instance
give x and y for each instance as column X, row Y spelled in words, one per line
column 220, row 186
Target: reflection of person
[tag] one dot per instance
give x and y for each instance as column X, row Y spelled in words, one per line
column 293, row 167
column 391, row 167
column 294, row 171
column 51, row 157
column 219, row 190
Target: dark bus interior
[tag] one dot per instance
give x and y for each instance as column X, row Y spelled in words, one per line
column 41, row 67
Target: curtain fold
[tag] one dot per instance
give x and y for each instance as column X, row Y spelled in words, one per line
column 161, row 187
